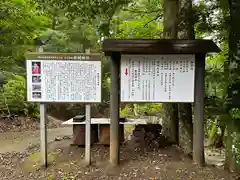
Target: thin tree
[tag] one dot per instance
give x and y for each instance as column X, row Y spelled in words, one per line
column 170, row 110
column 233, row 72
column 186, row 31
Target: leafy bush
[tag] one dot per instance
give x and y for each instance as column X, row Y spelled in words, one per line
column 13, row 99
column 140, row 109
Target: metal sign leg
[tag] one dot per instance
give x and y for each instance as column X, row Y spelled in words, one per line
column 88, row 135
column 43, row 134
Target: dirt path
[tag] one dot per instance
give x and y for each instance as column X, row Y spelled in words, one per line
column 20, row 141
column 67, row 163
column 18, row 161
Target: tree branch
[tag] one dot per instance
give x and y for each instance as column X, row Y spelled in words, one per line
column 137, row 11
column 154, row 19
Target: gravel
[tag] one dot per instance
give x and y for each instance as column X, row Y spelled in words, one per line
column 67, row 163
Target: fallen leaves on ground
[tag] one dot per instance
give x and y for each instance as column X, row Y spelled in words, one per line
column 67, row 163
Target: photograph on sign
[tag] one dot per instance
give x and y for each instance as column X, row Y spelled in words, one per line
column 36, row 95
column 64, row 81
column 36, row 87
column 36, row 67
column 157, row 78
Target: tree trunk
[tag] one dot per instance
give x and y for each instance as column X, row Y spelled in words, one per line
column 186, row 128
column 170, row 19
column 233, row 72
column 230, row 161
column 170, row 115
column 186, row 31
column 186, row 20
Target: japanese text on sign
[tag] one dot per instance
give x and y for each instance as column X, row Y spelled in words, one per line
column 63, row 80
column 157, row 78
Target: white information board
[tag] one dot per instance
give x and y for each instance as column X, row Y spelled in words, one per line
column 63, row 80
column 157, row 78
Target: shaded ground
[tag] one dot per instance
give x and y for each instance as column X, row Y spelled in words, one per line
column 66, row 162
column 215, row 156
column 19, row 124
column 20, row 141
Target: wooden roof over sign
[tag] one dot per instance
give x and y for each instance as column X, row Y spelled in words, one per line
column 158, row 46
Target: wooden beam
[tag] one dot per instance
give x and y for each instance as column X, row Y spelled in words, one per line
column 158, row 46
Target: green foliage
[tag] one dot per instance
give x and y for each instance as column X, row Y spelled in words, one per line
column 140, row 110
column 88, row 9
column 13, row 99
column 93, row 11
column 150, row 108
column 216, row 84
column 20, row 22
column 212, row 17
column 140, row 20
column 139, row 27
column 71, row 36
column 74, row 26
column 127, row 111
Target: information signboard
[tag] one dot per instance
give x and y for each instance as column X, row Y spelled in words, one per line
column 157, row 78
column 66, row 77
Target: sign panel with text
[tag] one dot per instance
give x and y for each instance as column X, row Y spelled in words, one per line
column 63, row 77
column 157, row 78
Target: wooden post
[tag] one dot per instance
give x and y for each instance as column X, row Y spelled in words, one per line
column 198, row 124
column 114, row 108
column 88, row 130
column 88, row 135
column 43, row 128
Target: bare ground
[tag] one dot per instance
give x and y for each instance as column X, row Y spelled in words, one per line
column 21, row 141
column 66, row 162
column 20, row 124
